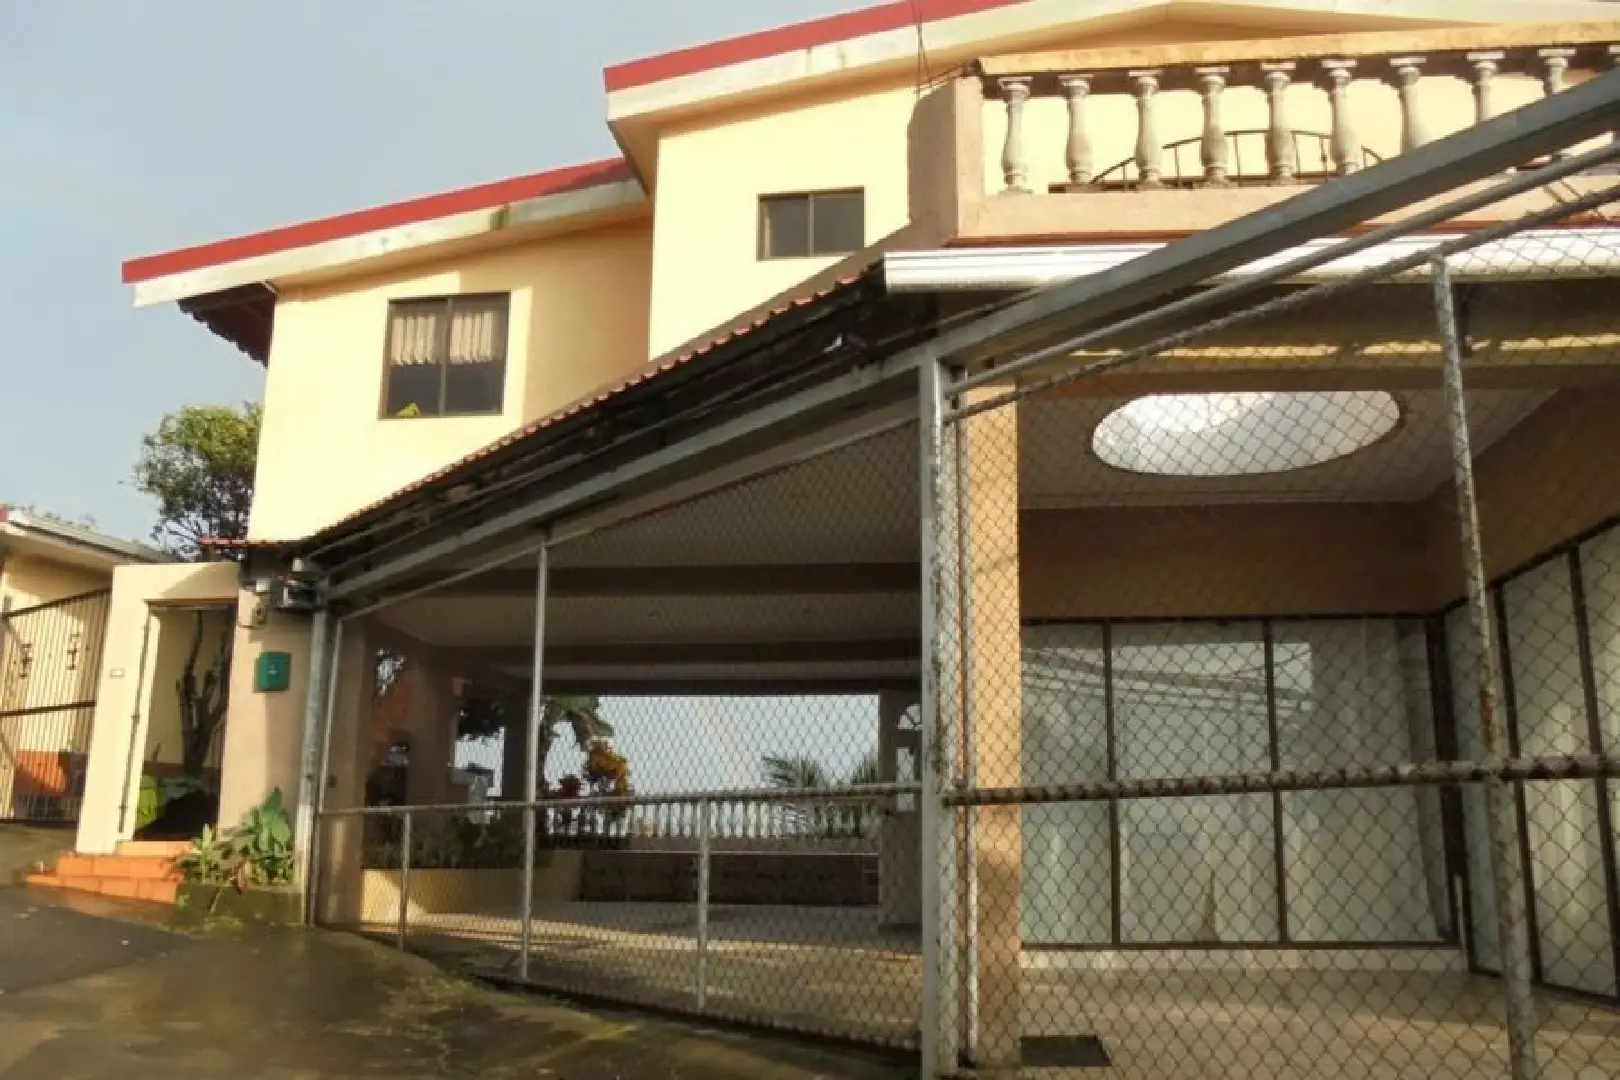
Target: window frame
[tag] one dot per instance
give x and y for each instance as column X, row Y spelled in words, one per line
column 501, row 302
column 762, row 231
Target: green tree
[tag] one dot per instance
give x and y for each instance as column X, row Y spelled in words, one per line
column 581, row 714
column 800, row 772
column 198, row 465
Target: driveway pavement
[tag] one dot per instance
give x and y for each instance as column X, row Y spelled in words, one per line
column 92, row 988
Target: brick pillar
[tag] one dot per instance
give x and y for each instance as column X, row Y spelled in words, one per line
column 433, row 708
column 992, row 662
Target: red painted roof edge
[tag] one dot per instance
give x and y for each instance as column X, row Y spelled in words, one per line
column 426, row 208
column 806, row 35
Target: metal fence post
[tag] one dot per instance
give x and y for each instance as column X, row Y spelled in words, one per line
column 404, row 877
column 1507, row 875
column 312, row 875
column 130, row 752
column 309, row 751
column 704, row 840
column 938, row 1034
column 531, row 766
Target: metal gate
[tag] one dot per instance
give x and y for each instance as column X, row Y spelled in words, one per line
column 50, row 662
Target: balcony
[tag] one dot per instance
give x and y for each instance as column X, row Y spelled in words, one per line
column 1170, row 140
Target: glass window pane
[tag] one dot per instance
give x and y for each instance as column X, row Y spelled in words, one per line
column 1198, row 869
column 1067, row 858
column 413, row 390
column 1190, row 700
column 840, row 223
column 1566, row 864
column 473, row 388
column 784, row 223
column 1357, row 863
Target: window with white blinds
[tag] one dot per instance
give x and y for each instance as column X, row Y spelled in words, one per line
column 445, row 356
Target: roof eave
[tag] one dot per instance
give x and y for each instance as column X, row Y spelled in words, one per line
column 522, row 218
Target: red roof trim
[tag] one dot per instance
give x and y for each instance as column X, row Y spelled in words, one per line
column 288, row 237
column 805, row 35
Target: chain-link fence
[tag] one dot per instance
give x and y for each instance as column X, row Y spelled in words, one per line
column 1253, row 709
column 1278, row 692
column 727, row 758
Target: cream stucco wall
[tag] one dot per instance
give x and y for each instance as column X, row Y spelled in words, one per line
column 712, row 170
column 578, row 319
column 128, row 675
column 264, row 732
column 706, row 265
column 26, row 580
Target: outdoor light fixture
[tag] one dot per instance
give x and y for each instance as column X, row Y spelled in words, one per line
column 1241, row 434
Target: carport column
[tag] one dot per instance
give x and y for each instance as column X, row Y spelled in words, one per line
column 992, row 704
column 339, row 886
column 433, row 708
column 514, row 746
column 898, row 837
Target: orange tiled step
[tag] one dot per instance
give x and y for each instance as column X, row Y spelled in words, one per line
column 128, row 888
column 143, row 872
column 153, row 849
column 143, row 868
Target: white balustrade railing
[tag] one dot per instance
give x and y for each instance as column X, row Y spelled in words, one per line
column 1343, row 149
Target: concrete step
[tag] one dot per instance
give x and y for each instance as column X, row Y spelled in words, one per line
column 128, row 888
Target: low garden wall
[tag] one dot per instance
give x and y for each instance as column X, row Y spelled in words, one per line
column 819, row 879
column 474, row 892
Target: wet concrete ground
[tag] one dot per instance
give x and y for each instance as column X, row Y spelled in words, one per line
column 97, row 988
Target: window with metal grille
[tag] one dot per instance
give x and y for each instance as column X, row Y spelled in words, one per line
column 445, row 356
column 814, row 223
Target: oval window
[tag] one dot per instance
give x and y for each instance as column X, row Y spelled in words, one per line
column 1242, row 434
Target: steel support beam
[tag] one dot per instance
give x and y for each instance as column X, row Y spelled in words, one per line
column 604, row 582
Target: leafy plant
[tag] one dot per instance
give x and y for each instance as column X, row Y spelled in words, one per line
column 257, row 852
column 263, row 844
column 157, row 793
column 833, row 820
column 211, row 860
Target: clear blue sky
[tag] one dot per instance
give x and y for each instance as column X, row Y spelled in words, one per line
column 129, row 128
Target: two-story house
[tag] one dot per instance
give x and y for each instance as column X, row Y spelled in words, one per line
column 651, row 414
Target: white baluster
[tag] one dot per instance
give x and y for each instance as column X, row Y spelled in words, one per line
column 1554, row 70
column 1281, row 153
column 1014, row 165
column 1212, row 149
column 1345, row 141
column 1149, row 153
column 1614, row 63
column 1484, row 67
column 1078, row 155
column 1414, row 128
